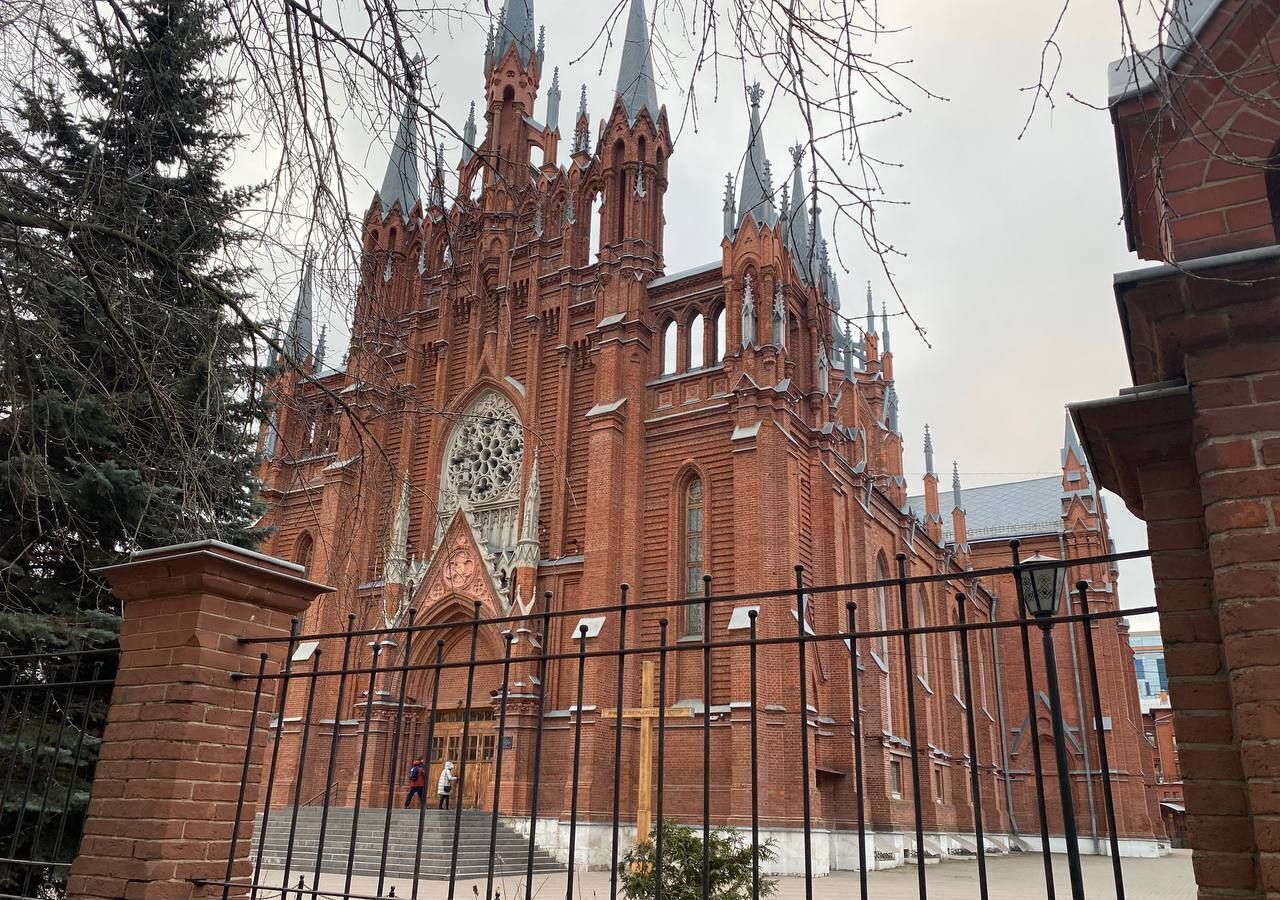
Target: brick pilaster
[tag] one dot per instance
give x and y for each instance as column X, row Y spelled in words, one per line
column 163, row 804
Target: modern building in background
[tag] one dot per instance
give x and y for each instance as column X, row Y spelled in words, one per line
column 1148, row 663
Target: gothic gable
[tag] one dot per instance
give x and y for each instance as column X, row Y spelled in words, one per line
column 459, row 568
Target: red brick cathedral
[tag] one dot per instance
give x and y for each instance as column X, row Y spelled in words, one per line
column 534, row 411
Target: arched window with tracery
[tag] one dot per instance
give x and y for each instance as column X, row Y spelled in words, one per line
column 692, row 544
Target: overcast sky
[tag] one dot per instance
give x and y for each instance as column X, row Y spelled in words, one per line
column 1010, row 244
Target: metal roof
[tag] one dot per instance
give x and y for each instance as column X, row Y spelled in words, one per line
column 1137, row 74
column 1004, row 510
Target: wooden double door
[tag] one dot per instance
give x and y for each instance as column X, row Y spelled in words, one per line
column 475, row 788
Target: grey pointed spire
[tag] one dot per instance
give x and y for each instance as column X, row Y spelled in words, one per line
column 636, row 86
column 756, row 198
column 784, row 208
column 884, row 328
column 317, row 360
column 797, row 230
column 553, row 102
column 893, row 409
column 871, row 313
column 730, row 208
column 297, row 340
column 928, row 453
column 542, row 45
column 469, row 135
column 400, row 184
column 516, row 29
column 1071, row 443
column 955, row 486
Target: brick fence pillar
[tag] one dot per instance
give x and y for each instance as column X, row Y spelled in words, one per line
column 163, row 803
column 1195, row 451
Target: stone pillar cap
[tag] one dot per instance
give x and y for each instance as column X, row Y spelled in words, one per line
column 215, row 567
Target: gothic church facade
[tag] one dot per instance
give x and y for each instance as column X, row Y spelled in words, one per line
column 533, row 411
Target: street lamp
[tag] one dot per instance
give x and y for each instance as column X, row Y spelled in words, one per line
column 1040, row 580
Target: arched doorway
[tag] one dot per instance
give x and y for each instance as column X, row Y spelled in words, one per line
column 462, row 727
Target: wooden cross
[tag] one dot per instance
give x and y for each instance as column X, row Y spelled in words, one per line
column 647, row 712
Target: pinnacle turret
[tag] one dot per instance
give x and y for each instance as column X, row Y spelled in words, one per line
column 317, row 362
column 553, row 102
column 469, row 135
column 928, row 453
column 582, row 131
column 884, row 328
column 871, row 313
column 636, row 86
column 730, row 208
column 955, row 485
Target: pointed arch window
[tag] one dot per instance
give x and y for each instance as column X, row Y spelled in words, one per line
column 882, row 613
column 922, row 640
column 693, row 525
column 697, row 342
column 303, row 550
column 669, row 348
column 719, row 338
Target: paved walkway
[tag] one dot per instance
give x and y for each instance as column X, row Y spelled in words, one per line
column 1017, row 877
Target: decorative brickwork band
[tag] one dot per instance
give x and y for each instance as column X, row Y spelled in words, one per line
column 163, row 809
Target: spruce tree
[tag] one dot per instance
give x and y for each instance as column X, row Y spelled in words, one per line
column 128, row 392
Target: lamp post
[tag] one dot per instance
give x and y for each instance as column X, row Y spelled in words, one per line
column 1040, row 581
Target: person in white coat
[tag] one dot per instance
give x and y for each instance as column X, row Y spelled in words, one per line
column 445, row 785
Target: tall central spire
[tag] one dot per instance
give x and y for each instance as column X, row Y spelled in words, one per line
column 516, row 28
column 756, row 198
column 636, row 86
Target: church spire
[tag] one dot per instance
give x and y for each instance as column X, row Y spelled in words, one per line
column 797, row 233
column 755, row 199
column 297, row 340
column 400, row 184
column 636, row 86
column 515, row 30
column 884, row 328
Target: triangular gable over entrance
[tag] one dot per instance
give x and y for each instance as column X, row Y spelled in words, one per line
column 458, row 568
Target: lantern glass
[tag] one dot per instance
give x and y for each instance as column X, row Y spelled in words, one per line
column 1040, row 584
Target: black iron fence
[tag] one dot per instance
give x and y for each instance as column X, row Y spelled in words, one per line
column 802, row 730
column 52, row 710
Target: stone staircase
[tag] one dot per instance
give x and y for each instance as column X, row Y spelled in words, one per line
column 510, row 848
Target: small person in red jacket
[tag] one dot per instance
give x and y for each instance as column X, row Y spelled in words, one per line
column 417, row 784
